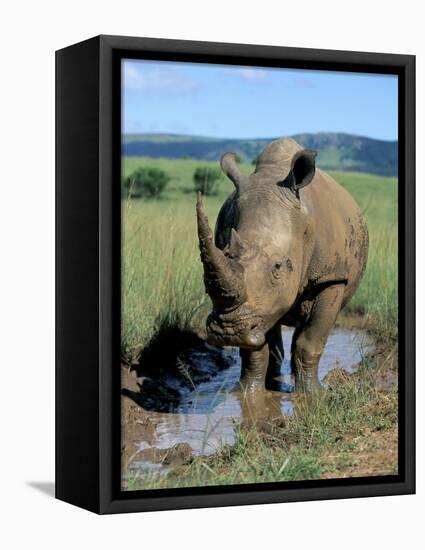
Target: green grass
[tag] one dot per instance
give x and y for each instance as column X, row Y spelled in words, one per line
column 162, row 274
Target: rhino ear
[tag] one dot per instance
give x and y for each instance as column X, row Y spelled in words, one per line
column 231, row 169
column 303, row 168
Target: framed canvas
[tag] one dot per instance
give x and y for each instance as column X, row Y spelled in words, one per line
column 270, row 359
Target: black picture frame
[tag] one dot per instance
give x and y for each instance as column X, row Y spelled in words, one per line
column 88, row 150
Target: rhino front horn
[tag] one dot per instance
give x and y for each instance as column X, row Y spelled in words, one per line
column 223, row 276
column 231, row 169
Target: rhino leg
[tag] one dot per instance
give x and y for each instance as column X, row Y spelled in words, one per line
column 309, row 341
column 276, row 355
column 254, row 368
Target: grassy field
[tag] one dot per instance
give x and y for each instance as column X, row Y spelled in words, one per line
column 162, row 275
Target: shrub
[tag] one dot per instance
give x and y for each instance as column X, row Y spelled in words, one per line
column 205, row 179
column 146, row 182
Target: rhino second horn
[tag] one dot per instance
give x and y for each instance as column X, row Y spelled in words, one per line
column 231, row 169
column 223, row 277
column 237, row 247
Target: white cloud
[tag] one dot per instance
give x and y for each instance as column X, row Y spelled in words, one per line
column 165, row 81
column 251, row 74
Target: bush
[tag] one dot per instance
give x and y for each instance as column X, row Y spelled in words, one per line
column 205, row 179
column 146, row 182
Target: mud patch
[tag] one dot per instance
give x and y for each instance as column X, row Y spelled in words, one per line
column 193, row 406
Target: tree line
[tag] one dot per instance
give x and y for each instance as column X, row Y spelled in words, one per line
column 150, row 183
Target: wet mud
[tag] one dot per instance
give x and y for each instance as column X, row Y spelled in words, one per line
column 192, row 404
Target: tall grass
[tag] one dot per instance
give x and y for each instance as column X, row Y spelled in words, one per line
column 162, row 275
column 376, row 296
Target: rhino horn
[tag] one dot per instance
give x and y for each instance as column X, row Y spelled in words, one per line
column 223, row 276
column 236, row 247
column 231, row 169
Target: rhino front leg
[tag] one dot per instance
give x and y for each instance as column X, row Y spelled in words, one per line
column 309, row 341
column 254, row 368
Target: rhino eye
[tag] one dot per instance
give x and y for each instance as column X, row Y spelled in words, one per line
column 277, row 269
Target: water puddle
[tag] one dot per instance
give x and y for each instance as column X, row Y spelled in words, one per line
column 198, row 412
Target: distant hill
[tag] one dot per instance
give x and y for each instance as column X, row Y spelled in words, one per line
column 336, row 151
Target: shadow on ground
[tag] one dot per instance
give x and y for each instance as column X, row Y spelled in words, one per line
column 171, row 367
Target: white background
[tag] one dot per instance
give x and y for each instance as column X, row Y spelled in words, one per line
column 30, row 33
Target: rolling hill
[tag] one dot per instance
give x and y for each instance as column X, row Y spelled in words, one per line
column 336, row 151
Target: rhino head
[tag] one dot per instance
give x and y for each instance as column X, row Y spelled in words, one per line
column 254, row 267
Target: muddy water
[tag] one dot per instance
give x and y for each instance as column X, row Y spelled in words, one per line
column 203, row 414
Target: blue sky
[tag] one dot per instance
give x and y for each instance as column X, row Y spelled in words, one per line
column 249, row 102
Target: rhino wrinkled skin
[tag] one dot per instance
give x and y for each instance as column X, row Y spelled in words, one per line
column 290, row 248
